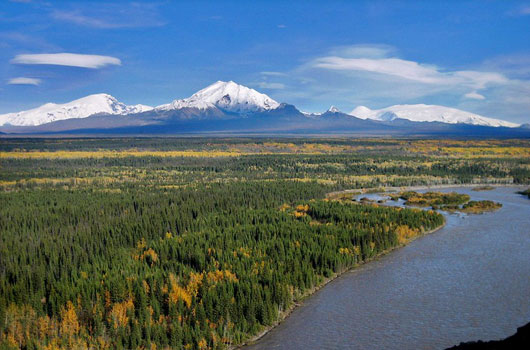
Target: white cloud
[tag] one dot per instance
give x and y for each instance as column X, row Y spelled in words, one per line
column 410, row 70
column 24, row 81
column 363, row 50
column 390, row 66
column 109, row 15
column 273, row 74
column 479, row 80
column 376, row 76
column 273, row 86
column 67, row 59
column 509, row 102
column 474, row 96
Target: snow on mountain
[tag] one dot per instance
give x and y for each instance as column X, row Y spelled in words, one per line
column 311, row 114
column 228, row 96
column 81, row 108
column 428, row 113
column 333, row 109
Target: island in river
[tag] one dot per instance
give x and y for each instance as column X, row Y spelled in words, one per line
column 466, row 281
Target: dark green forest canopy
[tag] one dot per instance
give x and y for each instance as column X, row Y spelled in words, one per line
column 177, row 251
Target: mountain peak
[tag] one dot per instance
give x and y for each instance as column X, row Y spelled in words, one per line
column 360, row 110
column 333, row 109
column 428, row 113
column 80, row 108
column 228, row 96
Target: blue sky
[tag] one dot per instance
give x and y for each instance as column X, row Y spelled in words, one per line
column 473, row 55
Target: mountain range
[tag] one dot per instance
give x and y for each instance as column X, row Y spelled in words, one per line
column 230, row 108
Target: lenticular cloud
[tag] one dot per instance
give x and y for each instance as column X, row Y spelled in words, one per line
column 67, row 59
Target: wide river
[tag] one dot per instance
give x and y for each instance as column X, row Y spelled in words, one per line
column 467, row 281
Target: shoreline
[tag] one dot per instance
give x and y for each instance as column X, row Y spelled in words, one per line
column 315, row 289
column 386, row 189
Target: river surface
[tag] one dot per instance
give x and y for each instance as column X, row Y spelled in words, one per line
column 468, row 281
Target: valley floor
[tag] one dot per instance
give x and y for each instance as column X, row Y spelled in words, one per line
column 203, row 242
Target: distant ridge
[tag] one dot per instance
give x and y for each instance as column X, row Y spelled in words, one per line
column 428, row 113
column 230, row 108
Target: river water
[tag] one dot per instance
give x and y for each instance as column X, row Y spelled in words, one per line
column 468, row 281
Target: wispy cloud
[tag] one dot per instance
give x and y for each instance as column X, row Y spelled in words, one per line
column 24, row 81
column 523, row 10
column 474, row 96
column 363, row 51
column 110, row 16
column 410, row 70
column 377, row 76
column 67, row 59
column 78, row 18
column 20, row 40
column 273, row 74
column 272, row 86
column 389, row 66
column 515, row 66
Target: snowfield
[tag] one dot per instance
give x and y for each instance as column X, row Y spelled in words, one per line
column 81, row 108
column 428, row 113
column 228, row 96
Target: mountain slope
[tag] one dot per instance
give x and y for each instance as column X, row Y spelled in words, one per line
column 81, row 108
column 428, row 113
column 227, row 96
column 229, row 108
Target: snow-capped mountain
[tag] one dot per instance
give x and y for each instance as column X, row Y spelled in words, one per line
column 228, row 96
column 428, row 113
column 227, row 107
column 81, row 108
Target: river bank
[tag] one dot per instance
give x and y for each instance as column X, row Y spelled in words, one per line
column 284, row 315
column 520, row 340
column 386, row 189
column 467, row 282
column 308, row 334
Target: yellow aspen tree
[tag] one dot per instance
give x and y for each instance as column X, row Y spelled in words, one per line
column 69, row 322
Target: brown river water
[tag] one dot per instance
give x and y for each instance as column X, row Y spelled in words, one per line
column 468, row 281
